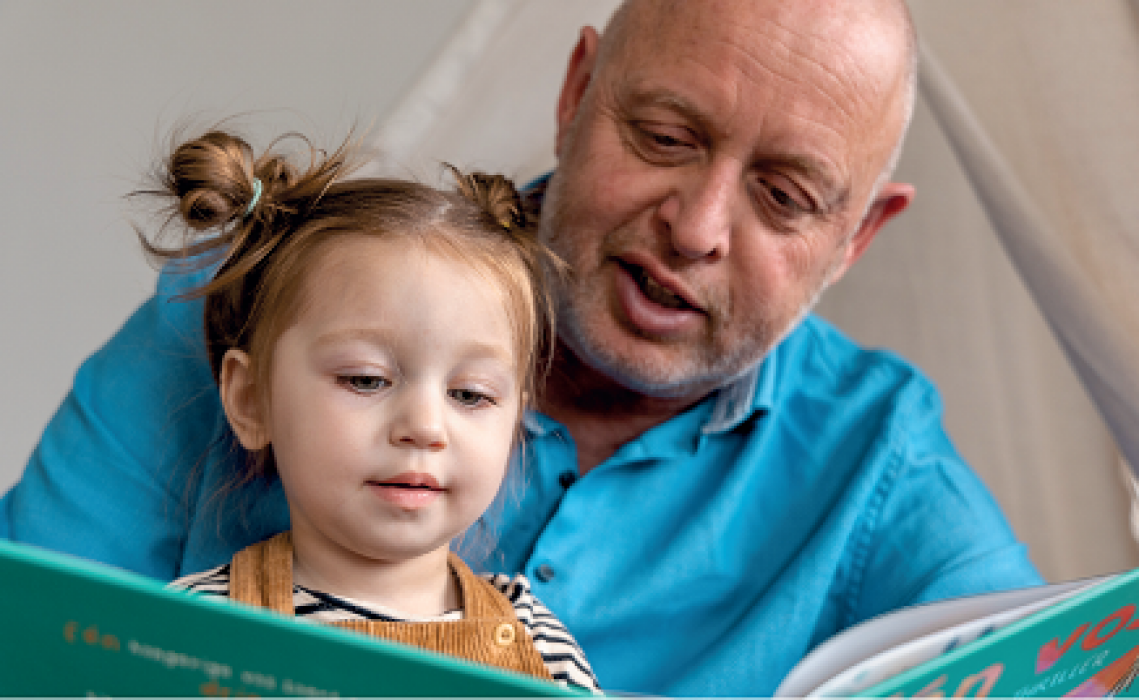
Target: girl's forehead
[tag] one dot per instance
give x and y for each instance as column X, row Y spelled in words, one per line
column 400, row 282
column 469, row 264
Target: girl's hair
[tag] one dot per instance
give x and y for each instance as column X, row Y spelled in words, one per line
column 266, row 221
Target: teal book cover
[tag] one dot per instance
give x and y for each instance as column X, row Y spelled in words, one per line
column 72, row 627
column 1083, row 646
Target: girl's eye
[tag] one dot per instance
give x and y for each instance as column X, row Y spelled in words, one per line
column 364, row 383
column 471, row 398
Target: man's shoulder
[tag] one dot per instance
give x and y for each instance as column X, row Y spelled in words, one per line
column 828, row 382
column 819, row 356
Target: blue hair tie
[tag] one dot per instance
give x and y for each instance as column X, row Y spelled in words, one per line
column 256, row 198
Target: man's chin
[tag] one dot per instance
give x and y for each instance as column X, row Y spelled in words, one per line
column 646, row 368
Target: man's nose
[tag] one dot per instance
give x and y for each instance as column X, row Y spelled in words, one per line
column 697, row 213
column 419, row 422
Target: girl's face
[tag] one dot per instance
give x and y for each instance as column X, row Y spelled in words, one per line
column 394, row 401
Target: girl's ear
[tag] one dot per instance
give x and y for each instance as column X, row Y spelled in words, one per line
column 242, row 401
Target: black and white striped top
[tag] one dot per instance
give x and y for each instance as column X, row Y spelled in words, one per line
column 559, row 650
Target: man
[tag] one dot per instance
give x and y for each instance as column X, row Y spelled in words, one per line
column 716, row 482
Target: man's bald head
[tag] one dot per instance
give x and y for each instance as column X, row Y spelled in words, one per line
column 879, row 34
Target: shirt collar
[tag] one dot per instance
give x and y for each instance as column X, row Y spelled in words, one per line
column 732, row 404
column 738, row 400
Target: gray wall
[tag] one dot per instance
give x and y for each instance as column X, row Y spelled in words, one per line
column 89, row 93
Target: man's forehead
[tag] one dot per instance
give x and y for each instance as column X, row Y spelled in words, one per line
column 733, row 52
column 867, row 37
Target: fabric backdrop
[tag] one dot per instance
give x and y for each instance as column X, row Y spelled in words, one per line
column 1012, row 280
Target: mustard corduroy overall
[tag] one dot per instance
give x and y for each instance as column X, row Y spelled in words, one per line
column 489, row 633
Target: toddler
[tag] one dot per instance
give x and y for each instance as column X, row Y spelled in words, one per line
column 375, row 343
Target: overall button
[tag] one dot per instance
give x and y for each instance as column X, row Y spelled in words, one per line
column 567, row 479
column 545, row 573
column 504, row 634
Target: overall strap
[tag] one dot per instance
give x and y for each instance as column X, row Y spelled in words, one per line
column 262, row 574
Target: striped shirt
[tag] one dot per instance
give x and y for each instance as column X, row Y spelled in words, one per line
column 563, row 657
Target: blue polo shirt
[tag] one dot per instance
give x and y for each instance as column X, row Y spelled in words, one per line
column 705, row 557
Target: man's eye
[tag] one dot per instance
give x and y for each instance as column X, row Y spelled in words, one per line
column 787, row 202
column 784, row 199
column 660, row 143
column 364, row 383
column 471, row 398
column 664, row 140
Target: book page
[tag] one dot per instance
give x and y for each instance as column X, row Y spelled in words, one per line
column 889, row 644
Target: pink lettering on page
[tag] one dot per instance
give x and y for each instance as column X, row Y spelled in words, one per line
column 1052, row 651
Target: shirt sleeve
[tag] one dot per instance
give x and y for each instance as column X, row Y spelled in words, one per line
column 111, row 477
column 934, row 531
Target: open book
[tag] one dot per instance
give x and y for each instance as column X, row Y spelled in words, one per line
column 71, row 627
column 1070, row 639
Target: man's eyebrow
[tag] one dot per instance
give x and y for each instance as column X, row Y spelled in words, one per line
column 639, row 97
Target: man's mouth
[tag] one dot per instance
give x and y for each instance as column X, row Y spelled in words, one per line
column 654, row 291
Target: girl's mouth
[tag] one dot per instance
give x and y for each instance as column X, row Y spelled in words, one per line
column 410, row 490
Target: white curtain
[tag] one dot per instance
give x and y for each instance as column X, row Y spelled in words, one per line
column 488, row 100
column 1031, row 157
column 1012, row 279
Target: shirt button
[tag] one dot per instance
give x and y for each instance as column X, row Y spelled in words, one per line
column 504, row 634
column 545, row 573
column 567, row 479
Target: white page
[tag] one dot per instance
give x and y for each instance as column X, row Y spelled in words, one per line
column 880, row 636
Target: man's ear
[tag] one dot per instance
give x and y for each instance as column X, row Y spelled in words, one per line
column 891, row 201
column 242, row 401
column 578, row 74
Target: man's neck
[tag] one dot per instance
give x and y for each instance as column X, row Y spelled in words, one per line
column 600, row 414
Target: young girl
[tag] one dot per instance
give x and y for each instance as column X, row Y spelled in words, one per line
column 374, row 343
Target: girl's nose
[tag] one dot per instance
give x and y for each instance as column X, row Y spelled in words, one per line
column 419, row 423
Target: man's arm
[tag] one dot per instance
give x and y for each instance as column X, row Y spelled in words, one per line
column 112, row 478
column 937, row 532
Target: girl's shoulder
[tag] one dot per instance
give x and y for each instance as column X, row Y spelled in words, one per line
column 517, row 590
column 563, row 656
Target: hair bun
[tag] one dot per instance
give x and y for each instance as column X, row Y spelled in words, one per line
column 495, row 195
column 211, row 178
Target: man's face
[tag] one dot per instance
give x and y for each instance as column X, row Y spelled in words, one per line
column 712, row 181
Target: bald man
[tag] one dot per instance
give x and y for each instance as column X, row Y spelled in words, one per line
column 716, row 480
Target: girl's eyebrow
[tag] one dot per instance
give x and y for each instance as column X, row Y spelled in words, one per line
column 473, row 349
column 375, row 336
